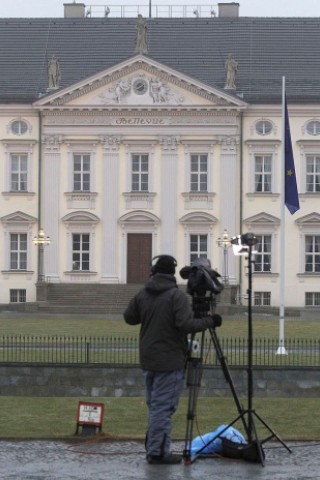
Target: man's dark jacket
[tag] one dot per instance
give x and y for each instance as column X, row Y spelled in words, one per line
column 166, row 317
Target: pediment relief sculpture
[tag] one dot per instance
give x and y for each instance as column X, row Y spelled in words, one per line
column 141, row 89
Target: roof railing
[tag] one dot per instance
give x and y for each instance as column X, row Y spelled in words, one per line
column 151, row 11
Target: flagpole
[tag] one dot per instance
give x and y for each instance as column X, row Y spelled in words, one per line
column 281, row 347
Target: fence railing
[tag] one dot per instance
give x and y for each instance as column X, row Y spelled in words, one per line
column 124, row 350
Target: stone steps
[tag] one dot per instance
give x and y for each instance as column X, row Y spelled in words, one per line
column 88, row 298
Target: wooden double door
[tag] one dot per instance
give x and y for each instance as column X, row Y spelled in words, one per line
column 139, row 255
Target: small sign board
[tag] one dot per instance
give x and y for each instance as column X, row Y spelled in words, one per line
column 90, row 414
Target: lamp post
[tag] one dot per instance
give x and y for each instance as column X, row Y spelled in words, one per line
column 225, row 243
column 41, row 240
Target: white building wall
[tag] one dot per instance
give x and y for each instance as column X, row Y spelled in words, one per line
column 169, row 212
column 18, row 210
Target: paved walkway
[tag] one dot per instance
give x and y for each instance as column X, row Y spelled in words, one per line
column 56, row 460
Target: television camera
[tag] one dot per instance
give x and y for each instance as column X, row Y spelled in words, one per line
column 203, row 283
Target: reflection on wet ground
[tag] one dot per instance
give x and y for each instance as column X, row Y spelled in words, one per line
column 57, row 460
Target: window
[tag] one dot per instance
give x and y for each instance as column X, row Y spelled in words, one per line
column 263, row 257
column 81, row 251
column 140, row 172
column 18, row 251
column 262, row 299
column 198, row 247
column 312, row 253
column 263, row 127
column 262, row 176
column 18, row 296
column 19, row 127
column 81, row 173
column 19, row 172
column 313, row 127
column 313, row 174
column 199, row 173
column 312, row 299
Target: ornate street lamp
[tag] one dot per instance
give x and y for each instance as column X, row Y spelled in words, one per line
column 41, row 241
column 225, row 243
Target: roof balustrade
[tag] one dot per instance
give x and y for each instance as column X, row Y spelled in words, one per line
column 152, row 11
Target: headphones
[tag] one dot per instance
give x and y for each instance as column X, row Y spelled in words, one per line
column 155, row 260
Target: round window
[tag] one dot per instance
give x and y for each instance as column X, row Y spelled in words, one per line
column 313, row 128
column 19, row 127
column 263, row 127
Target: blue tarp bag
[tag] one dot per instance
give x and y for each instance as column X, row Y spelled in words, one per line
column 213, row 442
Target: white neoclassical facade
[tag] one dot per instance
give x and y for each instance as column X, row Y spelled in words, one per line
column 140, row 160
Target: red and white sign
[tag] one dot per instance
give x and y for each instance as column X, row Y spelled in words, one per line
column 90, row 413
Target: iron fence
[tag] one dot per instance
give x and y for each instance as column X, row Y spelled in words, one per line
column 123, row 350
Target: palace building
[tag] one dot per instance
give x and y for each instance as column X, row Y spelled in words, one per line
column 122, row 138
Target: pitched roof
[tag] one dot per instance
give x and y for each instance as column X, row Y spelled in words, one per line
column 265, row 48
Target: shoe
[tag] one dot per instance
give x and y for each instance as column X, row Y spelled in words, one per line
column 170, row 459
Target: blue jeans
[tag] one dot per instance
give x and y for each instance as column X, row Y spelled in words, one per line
column 163, row 390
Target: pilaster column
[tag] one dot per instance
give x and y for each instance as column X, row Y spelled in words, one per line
column 109, row 246
column 229, row 197
column 50, row 202
column 169, row 157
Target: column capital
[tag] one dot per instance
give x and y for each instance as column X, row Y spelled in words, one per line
column 52, row 142
column 110, row 143
column 229, row 143
column 169, row 142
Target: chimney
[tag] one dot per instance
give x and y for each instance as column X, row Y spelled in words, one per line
column 74, row 10
column 228, row 9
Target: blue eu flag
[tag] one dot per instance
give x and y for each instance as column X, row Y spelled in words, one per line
column 291, row 198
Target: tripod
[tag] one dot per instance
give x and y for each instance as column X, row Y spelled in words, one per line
column 194, row 375
column 247, row 416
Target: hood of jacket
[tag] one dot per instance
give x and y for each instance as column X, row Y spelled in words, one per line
column 160, row 282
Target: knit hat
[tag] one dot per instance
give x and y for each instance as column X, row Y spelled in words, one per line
column 164, row 264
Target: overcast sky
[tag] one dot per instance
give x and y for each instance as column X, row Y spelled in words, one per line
column 263, row 8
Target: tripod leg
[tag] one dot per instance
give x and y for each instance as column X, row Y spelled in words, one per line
column 227, row 374
column 273, row 434
column 257, row 443
column 194, row 374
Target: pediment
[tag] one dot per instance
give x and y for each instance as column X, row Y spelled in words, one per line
column 198, row 218
column 80, row 217
column 139, row 217
column 18, row 218
column 312, row 219
column 263, row 219
column 140, row 82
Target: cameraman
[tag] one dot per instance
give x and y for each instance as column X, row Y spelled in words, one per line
column 166, row 317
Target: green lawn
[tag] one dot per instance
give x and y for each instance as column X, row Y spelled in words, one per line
column 291, row 419
column 73, row 325
column 56, row 417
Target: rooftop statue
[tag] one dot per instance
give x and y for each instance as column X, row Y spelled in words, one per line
column 231, row 67
column 141, row 35
column 54, row 74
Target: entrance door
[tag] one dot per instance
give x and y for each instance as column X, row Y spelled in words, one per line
column 139, row 254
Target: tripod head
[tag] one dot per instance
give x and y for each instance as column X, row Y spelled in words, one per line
column 203, row 306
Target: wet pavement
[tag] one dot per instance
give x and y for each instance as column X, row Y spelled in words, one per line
column 56, row 460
